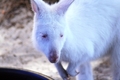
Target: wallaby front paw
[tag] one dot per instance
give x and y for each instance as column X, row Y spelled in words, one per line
column 72, row 73
column 68, row 78
column 65, row 75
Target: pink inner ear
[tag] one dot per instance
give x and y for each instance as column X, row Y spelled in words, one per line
column 34, row 6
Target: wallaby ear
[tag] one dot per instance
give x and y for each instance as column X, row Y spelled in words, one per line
column 34, row 6
column 38, row 6
column 63, row 5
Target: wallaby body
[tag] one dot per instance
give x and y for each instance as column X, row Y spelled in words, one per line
column 78, row 32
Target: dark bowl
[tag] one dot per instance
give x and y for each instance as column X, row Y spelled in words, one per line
column 18, row 74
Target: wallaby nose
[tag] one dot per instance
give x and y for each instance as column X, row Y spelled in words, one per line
column 53, row 56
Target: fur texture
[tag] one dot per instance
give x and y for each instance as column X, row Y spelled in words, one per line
column 78, row 31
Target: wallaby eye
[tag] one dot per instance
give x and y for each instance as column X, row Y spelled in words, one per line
column 44, row 36
column 61, row 35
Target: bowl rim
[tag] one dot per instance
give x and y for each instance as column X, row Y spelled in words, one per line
column 26, row 70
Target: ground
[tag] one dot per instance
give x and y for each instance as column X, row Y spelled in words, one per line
column 17, row 50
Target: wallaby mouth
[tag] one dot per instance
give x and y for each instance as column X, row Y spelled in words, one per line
column 53, row 59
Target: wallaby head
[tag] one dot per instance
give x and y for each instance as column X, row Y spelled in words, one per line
column 50, row 28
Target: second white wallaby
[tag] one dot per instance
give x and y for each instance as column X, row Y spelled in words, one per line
column 77, row 32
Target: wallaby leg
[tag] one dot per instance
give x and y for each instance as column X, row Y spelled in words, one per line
column 85, row 72
column 71, row 69
column 62, row 71
column 115, row 60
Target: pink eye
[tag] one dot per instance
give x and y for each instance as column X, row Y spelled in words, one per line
column 44, row 35
column 61, row 35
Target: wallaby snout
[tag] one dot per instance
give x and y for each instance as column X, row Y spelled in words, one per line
column 53, row 57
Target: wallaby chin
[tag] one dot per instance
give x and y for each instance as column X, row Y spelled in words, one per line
column 54, row 60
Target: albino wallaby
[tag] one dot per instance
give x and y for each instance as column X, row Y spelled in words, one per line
column 77, row 32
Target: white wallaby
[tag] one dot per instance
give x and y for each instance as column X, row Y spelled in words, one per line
column 77, row 32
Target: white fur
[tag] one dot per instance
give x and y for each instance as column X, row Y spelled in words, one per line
column 90, row 30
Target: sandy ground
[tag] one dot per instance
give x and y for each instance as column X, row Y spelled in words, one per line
column 17, row 51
